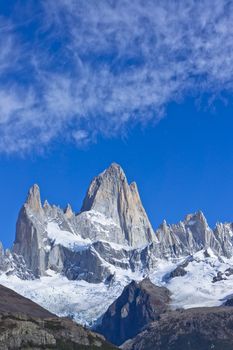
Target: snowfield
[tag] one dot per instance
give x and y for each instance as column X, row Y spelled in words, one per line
column 86, row 302
column 66, row 238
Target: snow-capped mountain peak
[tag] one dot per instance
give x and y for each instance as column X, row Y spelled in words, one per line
column 111, row 195
column 108, row 243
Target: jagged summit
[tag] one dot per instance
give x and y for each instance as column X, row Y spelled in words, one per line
column 46, row 205
column 111, row 195
column 188, row 236
column 112, row 229
column 68, row 211
column 115, row 167
column 112, row 212
column 109, row 180
column 111, row 242
column 33, row 200
column 196, row 217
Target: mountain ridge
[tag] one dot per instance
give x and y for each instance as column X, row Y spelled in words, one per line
column 109, row 243
column 111, row 213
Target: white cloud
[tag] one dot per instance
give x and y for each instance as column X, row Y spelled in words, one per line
column 80, row 137
column 103, row 66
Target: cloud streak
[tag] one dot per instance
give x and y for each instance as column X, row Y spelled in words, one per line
column 92, row 68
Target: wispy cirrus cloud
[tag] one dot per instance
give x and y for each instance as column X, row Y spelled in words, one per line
column 88, row 68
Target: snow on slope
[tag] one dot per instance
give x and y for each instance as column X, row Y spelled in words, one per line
column 66, row 238
column 99, row 220
column 86, row 302
column 196, row 288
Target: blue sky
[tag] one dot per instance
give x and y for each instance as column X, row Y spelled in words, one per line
column 145, row 84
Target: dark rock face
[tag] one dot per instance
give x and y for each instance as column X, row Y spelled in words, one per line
column 201, row 328
column 26, row 325
column 229, row 302
column 218, row 277
column 138, row 305
column 84, row 265
column 229, row 272
column 223, row 275
column 179, row 271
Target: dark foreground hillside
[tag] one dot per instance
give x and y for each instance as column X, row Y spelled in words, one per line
column 192, row 329
column 25, row 325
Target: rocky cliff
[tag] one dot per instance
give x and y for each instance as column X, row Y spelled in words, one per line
column 139, row 304
column 78, row 264
column 190, row 236
column 111, row 195
column 111, row 231
column 13, row 264
column 50, row 238
column 31, row 235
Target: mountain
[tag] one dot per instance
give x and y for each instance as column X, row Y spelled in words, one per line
column 78, row 264
column 112, row 196
column 26, row 325
column 51, row 238
column 84, row 245
column 139, row 304
column 13, row 264
column 201, row 328
column 192, row 235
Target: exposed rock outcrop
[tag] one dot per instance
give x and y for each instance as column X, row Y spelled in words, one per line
column 111, row 240
column 30, row 240
column 201, row 328
column 13, row 264
column 223, row 275
column 224, row 234
column 138, row 305
column 112, row 230
column 26, row 325
column 229, row 301
column 110, row 194
column 112, row 212
column 188, row 237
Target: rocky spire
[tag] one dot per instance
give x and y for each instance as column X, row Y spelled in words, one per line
column 111, row 195
column 30, row 231
column 224, row 234
column 201, row 232
column 33, row 200
column 46, row 204
column 188, row 236
column 68, row 211
column 197, row 217
column 104, row 187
